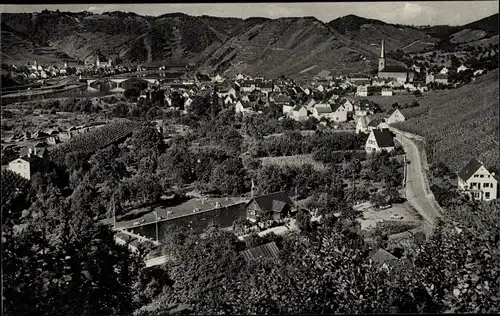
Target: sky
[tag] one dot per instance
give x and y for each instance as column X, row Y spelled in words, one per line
column 408, row 13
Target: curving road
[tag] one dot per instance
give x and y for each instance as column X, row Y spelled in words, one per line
column 418, row 192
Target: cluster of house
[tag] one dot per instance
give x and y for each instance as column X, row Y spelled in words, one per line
column 336, row 109
column 30, row 156
column 35, row 71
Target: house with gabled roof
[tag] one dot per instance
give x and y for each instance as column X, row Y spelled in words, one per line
column 383, row 259
column 243, row 108
column 395, row 116
column 321, row 110
column 275, row 206
column 266, row 251
column 348, row 105
column 228, row 100
column 377, row 123
column 29, row 162
column 339, row 112
column 477, row 182
column 380, row 139
column 362, row 91
column 362, row 125
column 299, row 113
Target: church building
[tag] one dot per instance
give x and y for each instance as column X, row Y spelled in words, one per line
column 401, row 74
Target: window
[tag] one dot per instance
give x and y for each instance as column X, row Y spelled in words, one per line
column 481, row 176
column 476, row 195
column 487, row 195
column 475, row 176
column 485, row 185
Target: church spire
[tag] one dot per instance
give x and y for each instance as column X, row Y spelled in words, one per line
column 381, row 60
column 382, row 53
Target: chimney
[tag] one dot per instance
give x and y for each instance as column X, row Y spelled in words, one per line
column 29, row 151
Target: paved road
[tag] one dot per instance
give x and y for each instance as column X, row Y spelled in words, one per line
column 418, row 192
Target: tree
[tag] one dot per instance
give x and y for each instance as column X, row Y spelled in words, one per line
column 64, row 262
column 228, row 178
column 303, row 218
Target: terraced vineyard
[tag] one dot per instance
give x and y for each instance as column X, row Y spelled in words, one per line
column 93, row 140
column 459, row 124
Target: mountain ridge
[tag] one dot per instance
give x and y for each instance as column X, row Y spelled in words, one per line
column 254, row 45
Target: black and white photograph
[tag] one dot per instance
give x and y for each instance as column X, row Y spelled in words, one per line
column 244, row 158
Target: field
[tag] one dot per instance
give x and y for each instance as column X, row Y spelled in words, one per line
column 93, row 140
column 297, row 160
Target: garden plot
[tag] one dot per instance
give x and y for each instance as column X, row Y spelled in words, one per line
column 296, row 160
column 397, row 213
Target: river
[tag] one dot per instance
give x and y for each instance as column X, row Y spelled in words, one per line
column 77, row 92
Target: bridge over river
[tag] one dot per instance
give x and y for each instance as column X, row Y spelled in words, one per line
column 116, row 84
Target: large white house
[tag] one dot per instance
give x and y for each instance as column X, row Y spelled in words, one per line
column 339, row 112
column 28, row 164
column 348, row 105
column 395, row 117
column 362, row 91
column 322, row 110
column 380, row 139
column 477, row 182
column 299, row 113
column 240, row 107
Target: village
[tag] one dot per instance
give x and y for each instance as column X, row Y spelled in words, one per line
column 326, row 103
column 277, row 159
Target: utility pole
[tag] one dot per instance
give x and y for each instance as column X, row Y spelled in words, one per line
column 156, row 225
column 404, row 176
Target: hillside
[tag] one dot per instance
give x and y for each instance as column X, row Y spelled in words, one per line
column 369, row 33
column 481, row 32
column 461, row 123
column 263, row 46
column 258, row 46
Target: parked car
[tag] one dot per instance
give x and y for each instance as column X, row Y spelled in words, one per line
column 396, row 216
column 384, row 207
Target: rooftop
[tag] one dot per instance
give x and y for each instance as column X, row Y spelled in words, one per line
column 183, row 209
column 470, row 169
column 384, row 137
column 269, row 250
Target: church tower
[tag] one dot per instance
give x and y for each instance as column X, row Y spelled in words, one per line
column 381, row 60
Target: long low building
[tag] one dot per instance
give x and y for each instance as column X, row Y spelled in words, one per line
column 195, row 214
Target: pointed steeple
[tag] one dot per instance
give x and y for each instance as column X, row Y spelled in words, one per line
column 381, row 60
column 382, row 50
